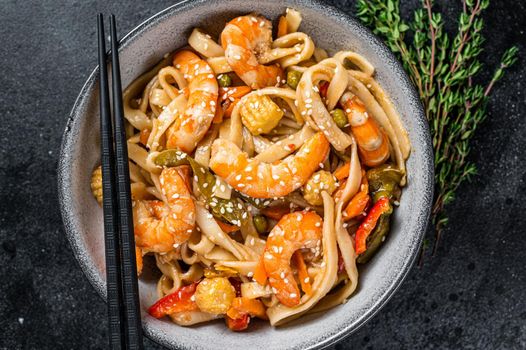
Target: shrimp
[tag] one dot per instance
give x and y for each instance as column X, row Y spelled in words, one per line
column 247, row 43
column 294, row 231
column 267, row 180
column 160, row 227
column 189, row 128
column 372, row 141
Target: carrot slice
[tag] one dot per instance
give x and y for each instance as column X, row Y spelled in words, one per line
column 235, row 92
column 282, row 27
column 302, row 272
column 343, row 171
column 138, row 259
column 227, row 113
column 241, row 306
column 143, row 137
column 356, row 206
column 227, row 228
column 218, row 116
column 260, row 275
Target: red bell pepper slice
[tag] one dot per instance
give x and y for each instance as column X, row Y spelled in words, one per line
column 323, row 87
column 237, row 324
column 178, row 301
column 367, row 226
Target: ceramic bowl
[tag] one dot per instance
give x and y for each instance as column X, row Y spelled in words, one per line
column 379, row 279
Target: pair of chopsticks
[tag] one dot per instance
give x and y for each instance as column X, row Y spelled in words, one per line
column 121, row 270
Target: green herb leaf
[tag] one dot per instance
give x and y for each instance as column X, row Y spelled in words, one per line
column 443, row 69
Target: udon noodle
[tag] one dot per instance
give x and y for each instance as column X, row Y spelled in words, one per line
column 263, row 172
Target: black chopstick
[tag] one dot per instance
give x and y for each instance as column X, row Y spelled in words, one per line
column 111, row 230
column 129, row 266
column 121, row 272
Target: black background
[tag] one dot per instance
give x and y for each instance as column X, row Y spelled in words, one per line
column 472, row 295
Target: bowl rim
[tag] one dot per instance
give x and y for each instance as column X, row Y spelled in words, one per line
column 90, row 271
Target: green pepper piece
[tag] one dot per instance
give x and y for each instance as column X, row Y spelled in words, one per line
column 339, row 118
column 384, row 181
column 260, row 222
column 224, row 80
column 293, row 78
column 255, row 202
column 377, row 237
column 171, row 158
column 231, row 210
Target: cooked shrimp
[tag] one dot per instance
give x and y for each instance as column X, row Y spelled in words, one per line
column 159, row 226
column 191, row 126
column 372, row 141
column 247, row 41
column 294, row 231
column 267, row 180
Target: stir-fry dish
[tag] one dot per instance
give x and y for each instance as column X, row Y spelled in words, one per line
column 263, row 171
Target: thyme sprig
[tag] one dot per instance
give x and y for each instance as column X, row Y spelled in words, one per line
column 443, row 69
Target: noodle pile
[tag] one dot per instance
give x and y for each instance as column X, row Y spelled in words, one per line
column 221, row 261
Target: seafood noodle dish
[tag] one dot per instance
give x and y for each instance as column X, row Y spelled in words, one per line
column 264, row 171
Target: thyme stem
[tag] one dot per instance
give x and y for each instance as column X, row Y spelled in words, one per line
column 442, row 70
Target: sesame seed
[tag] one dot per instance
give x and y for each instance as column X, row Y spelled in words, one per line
column 293, row 295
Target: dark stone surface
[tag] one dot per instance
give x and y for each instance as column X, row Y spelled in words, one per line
column 471, row 296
